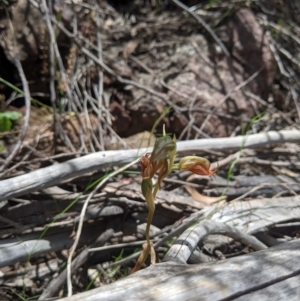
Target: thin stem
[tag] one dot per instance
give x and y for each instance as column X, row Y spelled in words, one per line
column 149, row 221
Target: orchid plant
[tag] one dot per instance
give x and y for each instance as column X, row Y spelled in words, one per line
column 161, row 162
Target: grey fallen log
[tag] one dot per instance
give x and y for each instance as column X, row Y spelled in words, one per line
column 255, row 215
column 240, row 185
column 20, row 249
column 56, row 174
column 272, row 274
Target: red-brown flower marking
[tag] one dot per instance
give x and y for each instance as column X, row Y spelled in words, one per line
column 157, row 161
column 147, row 167
column 197, row 165
column 150, row 168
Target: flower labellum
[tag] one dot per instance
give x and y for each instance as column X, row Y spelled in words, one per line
column 197, row 165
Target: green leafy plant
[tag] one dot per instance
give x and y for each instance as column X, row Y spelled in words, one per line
column 6, row 120
column 161, row 162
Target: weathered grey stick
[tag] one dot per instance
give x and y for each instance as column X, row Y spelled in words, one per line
column 56, row 283
column 185, row 244
column 56, row 174
column 22, row 248
column 271, row 274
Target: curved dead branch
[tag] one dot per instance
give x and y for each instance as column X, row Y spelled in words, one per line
column 186, row 243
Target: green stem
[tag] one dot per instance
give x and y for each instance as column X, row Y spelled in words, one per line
column 149, row 221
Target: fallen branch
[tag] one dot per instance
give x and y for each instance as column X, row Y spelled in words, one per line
column 56, row 174
column 27, row 246
column 186, row 243
column 258, row 276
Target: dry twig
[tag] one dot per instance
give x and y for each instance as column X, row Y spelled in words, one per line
column 186, row 243
column 27, row 113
